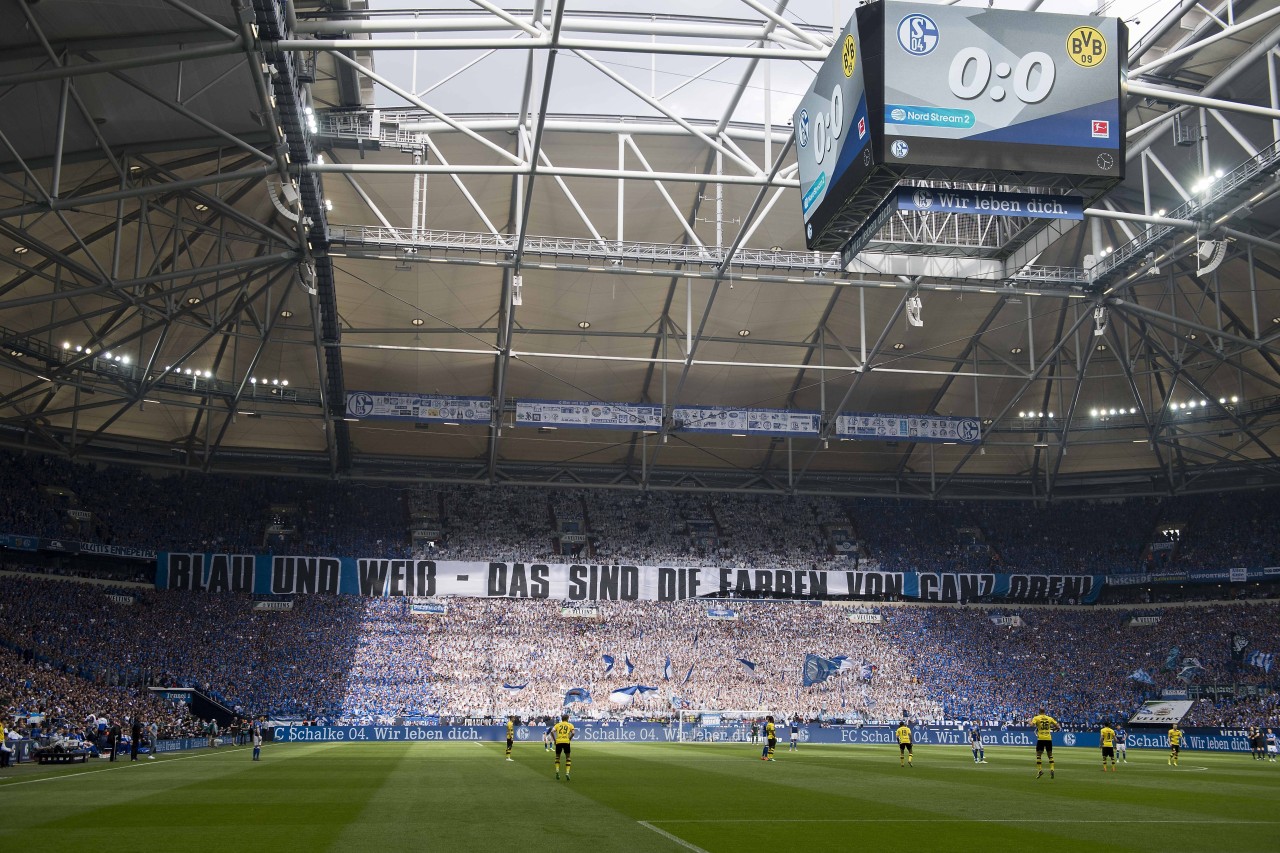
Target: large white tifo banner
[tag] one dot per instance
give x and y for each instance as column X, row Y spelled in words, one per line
column 279, row 575
column 1162, row 712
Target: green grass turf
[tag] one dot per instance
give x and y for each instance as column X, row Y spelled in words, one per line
column 660, row 797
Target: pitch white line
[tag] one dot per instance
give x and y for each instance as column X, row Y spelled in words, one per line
column 942, row 820
column 225, row 750
column 675, row 839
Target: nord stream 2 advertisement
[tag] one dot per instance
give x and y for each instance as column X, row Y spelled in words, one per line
column 1001, row 89
column 832, row 131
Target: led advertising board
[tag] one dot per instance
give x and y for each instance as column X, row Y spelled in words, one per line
column 833, row 133
column 997, row 89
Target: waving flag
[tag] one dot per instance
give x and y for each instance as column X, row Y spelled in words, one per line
column 868, row 670
column 688, row 674
column 844, row 663
column 626, row 660
column 1141, row 675
column 514, row 688
column 577, row 694
column 666, row 670
column 1191, row 668
column 1261, row 660
column 1239, row 644
column 818, row 669
column 1172, row 660
column 748, row 665
column 626, row 695
column 608, row 663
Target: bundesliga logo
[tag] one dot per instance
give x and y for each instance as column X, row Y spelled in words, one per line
column 1101, row 129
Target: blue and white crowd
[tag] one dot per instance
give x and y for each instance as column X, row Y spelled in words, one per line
column 353, row 659
column 68, row 649
column 193, row 512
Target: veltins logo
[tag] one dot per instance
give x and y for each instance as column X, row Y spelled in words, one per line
column 804, row 128
column 1069, row 739
column 849, row 56
column 922, row 199
column 900, row 148
column 918, row 34
column 1086, row 46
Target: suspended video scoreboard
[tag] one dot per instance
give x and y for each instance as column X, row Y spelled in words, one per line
column 957, row 93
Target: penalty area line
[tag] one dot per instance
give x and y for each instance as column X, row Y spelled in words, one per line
column 675, row 839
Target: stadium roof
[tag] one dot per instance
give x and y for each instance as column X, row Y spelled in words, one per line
column 339, row 196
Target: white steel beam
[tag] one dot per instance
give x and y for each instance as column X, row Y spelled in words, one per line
column 523, row 169
column 678, row 49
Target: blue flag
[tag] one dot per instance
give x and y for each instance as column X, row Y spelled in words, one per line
column 608, row 663
column 630, row 666
column 688, row 674
column 1191, row 668
column 1141, row 675
column 1172, row 660
column 748, row 665
column 818, row 669
column 577, row 694
column 868, row 670
column 514, row 687
column 666, row 670
column 1261, row 660
column 626, row 695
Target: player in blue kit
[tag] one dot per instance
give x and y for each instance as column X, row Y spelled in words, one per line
column 975, row 744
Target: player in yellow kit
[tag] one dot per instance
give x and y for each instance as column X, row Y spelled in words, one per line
column 1175, row 743
column 1044, row 726
column 770, row 738
column 511, row 735
column 562, row 732
column 1107, row 737
column 904, row 744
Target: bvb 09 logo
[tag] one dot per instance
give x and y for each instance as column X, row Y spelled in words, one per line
column 1087, row 47
column 849, row 56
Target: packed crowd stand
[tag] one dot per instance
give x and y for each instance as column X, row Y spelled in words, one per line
column 71, row 651
column 193, row 512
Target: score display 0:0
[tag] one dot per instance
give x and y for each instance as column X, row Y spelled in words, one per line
column 828, row 126
column 1032, row 78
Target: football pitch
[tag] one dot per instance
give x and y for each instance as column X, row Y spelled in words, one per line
column 718, row 798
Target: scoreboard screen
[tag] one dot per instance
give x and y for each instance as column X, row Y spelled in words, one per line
column 996, row 89
column 833, row 134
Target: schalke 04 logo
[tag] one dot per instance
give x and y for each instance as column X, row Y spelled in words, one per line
column 917, row 34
